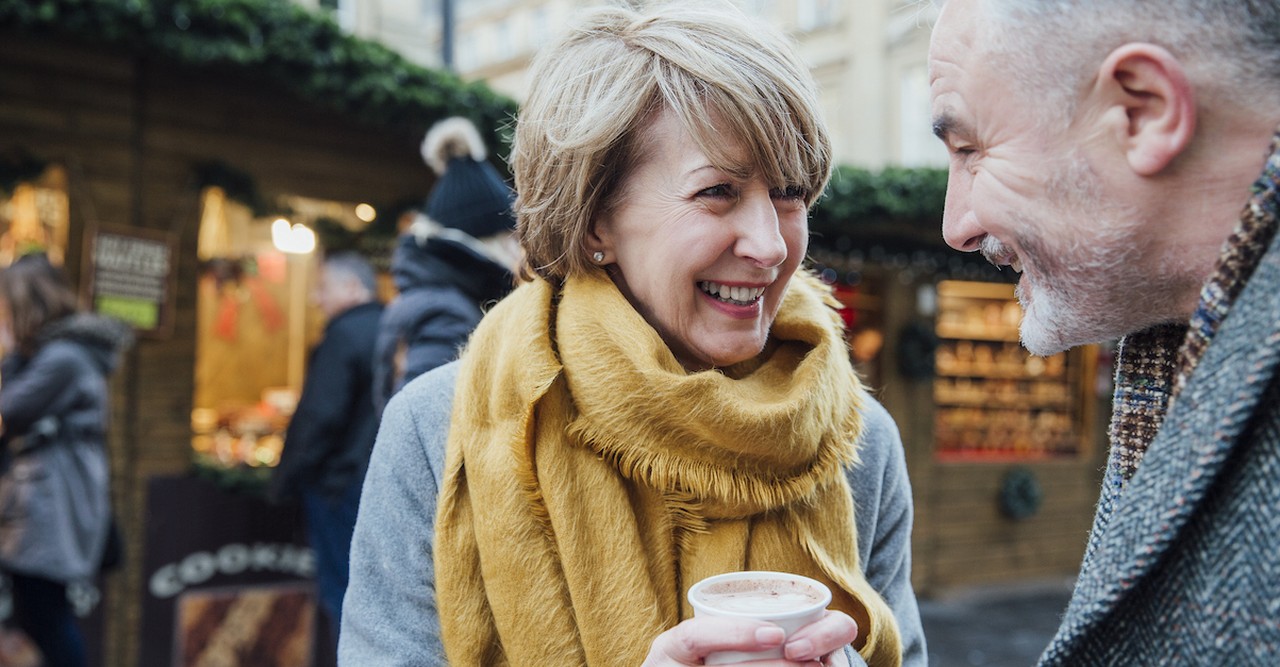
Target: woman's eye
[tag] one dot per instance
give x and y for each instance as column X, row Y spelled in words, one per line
column 789, row 192
column 721, row 191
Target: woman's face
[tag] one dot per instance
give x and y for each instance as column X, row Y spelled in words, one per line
column 703, row 254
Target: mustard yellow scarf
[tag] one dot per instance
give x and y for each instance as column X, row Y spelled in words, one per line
column 590, row 479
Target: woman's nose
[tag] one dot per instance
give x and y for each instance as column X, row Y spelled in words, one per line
column 760, row 237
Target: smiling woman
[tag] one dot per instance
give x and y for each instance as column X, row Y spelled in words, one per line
column 669, row 396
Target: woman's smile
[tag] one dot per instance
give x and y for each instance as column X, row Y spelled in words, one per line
column 734, row 300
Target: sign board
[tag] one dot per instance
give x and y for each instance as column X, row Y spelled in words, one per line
column 130, row 275
column 227, row 579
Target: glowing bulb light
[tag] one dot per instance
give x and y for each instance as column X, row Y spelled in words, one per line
column 297, row 239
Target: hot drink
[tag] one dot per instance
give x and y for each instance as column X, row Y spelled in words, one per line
column 755, row 596
column 790, row 601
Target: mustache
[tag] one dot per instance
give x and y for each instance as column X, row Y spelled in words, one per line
column 996, row 252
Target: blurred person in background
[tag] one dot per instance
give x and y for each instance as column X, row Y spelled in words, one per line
column 55, row 507
column 451, row 264
column 1124, row 158
column 330, row 436
column 669, row 396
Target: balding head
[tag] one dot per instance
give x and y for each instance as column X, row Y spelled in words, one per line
column 346, row 280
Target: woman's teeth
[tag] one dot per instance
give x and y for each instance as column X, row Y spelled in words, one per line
column 740, row 296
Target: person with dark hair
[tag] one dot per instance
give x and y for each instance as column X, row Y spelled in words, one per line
column 451, row 264
column 330, row 436
column 1124, row 158
column 55, row 509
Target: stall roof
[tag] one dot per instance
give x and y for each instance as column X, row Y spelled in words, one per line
column 302, row 50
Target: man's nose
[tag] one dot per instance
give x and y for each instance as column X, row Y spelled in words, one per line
column 960, row 226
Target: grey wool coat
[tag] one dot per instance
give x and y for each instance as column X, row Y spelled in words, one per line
column 390, row 617
column 55, row 406
column 1184, row 569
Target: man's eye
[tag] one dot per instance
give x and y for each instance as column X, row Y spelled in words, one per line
column 790, row 192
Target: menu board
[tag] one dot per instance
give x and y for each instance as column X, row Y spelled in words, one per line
column 130, row 276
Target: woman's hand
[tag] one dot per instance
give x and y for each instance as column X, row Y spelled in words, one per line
column 690, row 642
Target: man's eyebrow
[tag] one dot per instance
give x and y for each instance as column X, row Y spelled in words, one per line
column 945, row 124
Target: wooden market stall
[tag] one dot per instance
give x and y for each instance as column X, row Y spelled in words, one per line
column 1005, row 450
column 155, row 165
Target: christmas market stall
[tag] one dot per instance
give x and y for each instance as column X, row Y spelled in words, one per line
column 1004, row 449
column 185, row 162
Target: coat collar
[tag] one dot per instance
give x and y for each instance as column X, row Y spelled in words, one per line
column 1205, row 427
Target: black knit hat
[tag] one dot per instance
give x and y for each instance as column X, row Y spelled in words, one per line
column 470, row 195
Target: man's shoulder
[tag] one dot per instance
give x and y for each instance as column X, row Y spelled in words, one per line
column 356, row 325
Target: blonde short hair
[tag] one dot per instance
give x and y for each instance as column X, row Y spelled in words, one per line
column 593, row 94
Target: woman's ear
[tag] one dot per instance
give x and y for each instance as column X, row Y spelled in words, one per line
column 1152, row 103
column 599, row 244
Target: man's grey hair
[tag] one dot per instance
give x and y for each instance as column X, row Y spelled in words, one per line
column 351, row 263
column 1231, row 48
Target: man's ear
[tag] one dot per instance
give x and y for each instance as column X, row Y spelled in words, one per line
column 1151, row 102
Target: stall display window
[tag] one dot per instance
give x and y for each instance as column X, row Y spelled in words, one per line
column 35, row 216
column 864, row 327
column 993, row 399
column 255, row 322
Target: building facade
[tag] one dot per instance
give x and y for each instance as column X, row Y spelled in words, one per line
column 868, row 57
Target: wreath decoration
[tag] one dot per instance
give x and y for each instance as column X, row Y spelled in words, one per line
column 917, row 346
column 1020, row 494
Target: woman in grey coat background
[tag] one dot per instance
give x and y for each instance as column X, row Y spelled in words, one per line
column 55, row 508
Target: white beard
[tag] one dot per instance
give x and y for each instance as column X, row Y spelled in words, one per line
column 1095, row 284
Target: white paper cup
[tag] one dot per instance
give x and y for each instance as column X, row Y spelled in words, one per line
column 788, row 600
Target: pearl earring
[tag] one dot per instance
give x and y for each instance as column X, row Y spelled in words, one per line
column 598, row 257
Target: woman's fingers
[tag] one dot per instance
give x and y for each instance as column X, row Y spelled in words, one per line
column 692, row 640
column 831, row 633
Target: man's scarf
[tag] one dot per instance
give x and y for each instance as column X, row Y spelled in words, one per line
column 590, row 479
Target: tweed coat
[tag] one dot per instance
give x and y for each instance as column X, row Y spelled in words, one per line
column 1184, row 567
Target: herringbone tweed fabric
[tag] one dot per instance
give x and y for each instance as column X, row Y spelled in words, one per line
column 1183, row 565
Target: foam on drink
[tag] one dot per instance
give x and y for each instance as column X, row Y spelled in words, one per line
column 759, row 595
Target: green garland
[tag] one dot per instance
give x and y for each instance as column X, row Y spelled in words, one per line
column 303, row 51
column 235, row 479
column 894, row 196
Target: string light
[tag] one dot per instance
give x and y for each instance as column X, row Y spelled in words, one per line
column 296, row 239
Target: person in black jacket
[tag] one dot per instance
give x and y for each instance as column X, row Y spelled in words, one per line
column 330, row 435
column 452, row 263
column 54, row 496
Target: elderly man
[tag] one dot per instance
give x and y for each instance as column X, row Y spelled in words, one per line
column 1123, row 156
column 330, row 437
